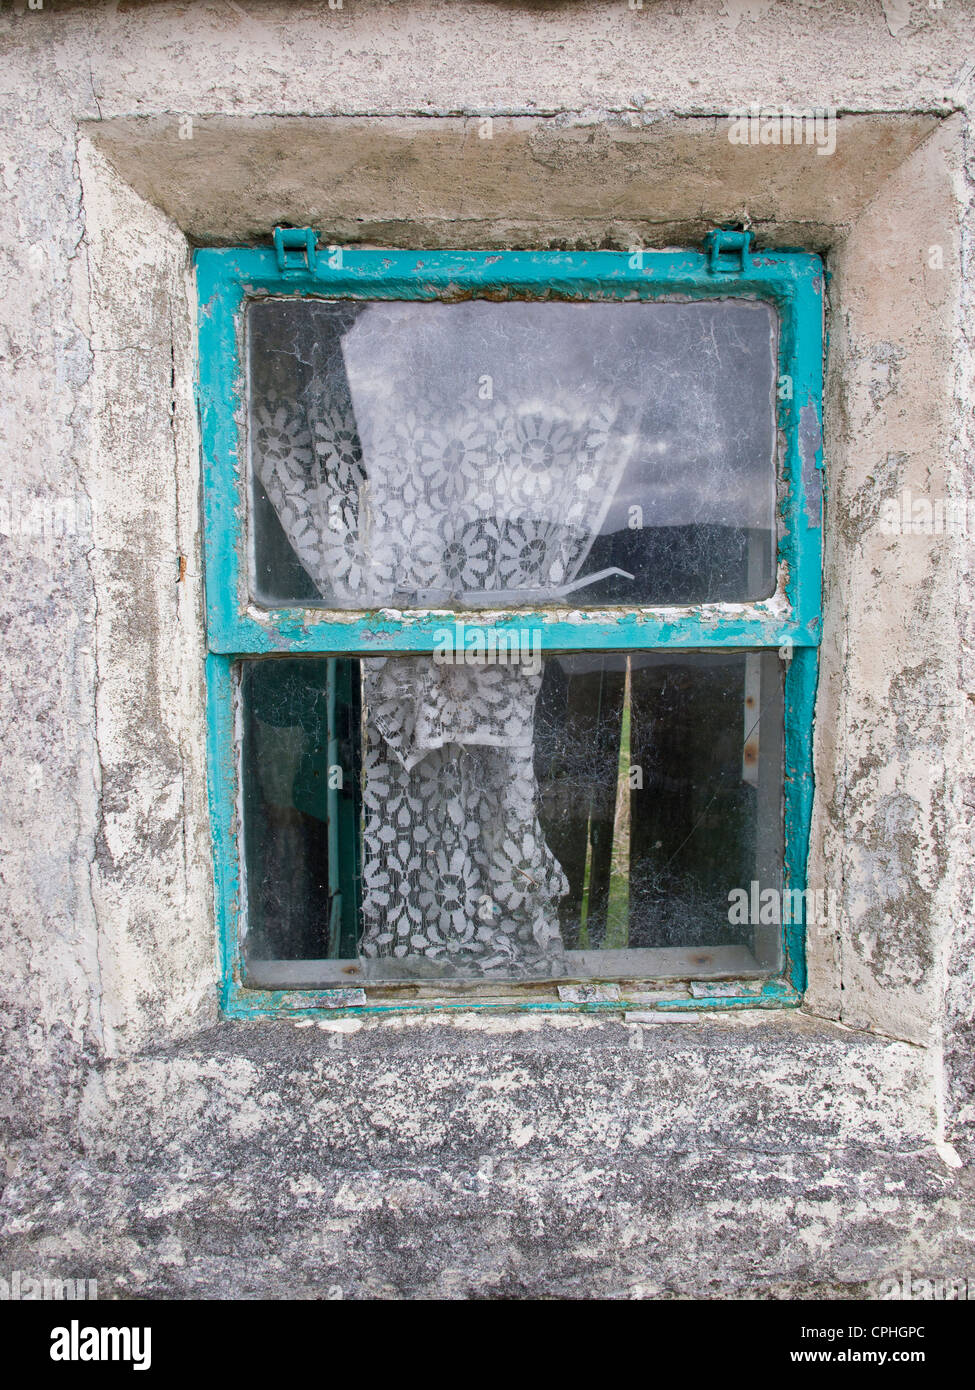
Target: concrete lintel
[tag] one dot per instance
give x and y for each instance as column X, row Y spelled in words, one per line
column 511, row 182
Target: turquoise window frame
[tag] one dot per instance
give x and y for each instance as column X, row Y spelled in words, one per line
column 227, row 278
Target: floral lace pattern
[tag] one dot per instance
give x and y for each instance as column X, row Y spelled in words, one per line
column 487, row 503
column 405, row 496
column 456, row 870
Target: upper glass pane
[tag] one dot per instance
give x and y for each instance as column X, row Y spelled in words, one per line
column 480, row 454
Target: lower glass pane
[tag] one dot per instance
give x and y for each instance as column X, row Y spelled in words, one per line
column 660, row 786
column 508, row 818
column 300, row 793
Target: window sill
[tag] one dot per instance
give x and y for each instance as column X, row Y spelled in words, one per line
column 646, row 996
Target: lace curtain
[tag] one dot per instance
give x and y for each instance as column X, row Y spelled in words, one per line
column 450, row 464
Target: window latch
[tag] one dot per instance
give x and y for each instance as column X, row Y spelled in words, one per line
column 295, row 248
column 727, row 251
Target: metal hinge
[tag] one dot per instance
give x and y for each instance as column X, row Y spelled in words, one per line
column 295, row 248
column 727, row 251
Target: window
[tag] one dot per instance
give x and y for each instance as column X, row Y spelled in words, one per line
column 512, row 574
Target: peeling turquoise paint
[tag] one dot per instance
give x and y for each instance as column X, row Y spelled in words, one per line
column 791, row 281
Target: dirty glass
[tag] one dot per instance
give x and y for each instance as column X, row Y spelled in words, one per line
column 660, row 793
column 300, row 794
column 510, row 817
column 476, row 454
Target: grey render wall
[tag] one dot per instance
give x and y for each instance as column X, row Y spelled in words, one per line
column 153, row 1145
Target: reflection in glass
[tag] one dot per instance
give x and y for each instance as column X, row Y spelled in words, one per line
column 482, row 453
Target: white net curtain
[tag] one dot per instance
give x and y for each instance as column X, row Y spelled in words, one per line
column 451, row 464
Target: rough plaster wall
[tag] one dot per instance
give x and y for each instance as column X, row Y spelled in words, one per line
column 527, row 56
column 889, row 704
column 151, row 879
column 959, row 1003
column 377, row 1163
column 50, row 973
